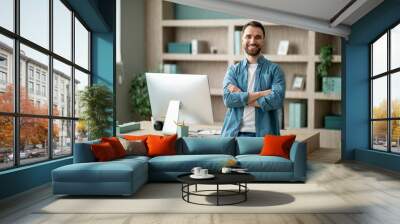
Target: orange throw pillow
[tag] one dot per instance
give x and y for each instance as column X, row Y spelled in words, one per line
column 103, row 151
column 277, row 145
column 136, row 137
column 116, row 145
column 161, row 145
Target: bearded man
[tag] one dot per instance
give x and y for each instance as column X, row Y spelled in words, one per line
column 253, row 89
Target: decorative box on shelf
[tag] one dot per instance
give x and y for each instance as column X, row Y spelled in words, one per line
column 180, row 47
column 332, row 85
column 333, row 122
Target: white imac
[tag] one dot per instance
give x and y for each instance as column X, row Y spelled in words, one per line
column 179, row 98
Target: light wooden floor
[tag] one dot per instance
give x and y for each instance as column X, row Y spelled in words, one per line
column 378, row 189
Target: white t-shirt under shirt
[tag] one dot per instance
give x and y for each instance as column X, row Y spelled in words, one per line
column 249, row 115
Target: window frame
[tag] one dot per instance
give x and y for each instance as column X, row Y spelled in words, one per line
column 16, row 114
column 388, row 74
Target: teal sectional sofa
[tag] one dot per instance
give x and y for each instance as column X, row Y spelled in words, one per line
column 125, row 176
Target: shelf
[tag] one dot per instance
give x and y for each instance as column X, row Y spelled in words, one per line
column 324, row 96
column 208, row 23
column 291, row 94
column 279, row 58
column 216, row 92
column 335, row 59
column 195, row 57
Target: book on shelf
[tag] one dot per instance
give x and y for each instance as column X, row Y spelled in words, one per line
column 170, row 68
column 297, row 115
column 199, row 47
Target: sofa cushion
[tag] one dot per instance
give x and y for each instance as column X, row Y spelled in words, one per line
column 206, row 145
column 112, row 171
column 257, row 163
column 103, row 151
column 116, row 145
column 249, row 145
column 185, row 163
column 161, row 145
column 277, row 145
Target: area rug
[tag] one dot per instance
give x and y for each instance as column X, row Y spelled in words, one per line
column 166, row 198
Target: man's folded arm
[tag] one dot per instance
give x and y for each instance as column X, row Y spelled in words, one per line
column 274, row 100
column 233, row 99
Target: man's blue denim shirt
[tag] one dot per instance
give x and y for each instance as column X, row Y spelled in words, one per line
column 268, row 76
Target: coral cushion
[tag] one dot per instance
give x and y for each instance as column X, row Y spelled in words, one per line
column 136, row 137
column 116, row 145
column 277, row 145
column 161, row 145
column 103, row 151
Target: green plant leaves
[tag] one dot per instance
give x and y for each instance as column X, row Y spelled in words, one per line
column 140, row 96
column 97, row 104
column 326, row 57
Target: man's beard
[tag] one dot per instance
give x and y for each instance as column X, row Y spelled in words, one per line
column 254, row 52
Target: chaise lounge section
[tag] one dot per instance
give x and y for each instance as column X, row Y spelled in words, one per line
column 125, row 176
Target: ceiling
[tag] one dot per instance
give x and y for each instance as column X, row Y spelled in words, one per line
column 326, row 16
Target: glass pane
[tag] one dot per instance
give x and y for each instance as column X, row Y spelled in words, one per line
column 379, row 98
column 62, row 89
column 379, row 135
column 379, row 55
column 81, row 131
column 33, row 139
column 81, row 81
column 62, row 138
column 34, row 81
column 6, row 142
column 7, row 14
column 62, row 29
column 395, row 47
column 81, row 45
column 6, row 74
column 395, row 94
column 395, row 138
column 35, row 21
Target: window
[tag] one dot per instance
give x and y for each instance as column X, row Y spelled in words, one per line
column 385, row 94
column 51, row 134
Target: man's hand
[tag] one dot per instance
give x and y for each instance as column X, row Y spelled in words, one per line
column 254, row 104
column 252, row 101
column 233, row 89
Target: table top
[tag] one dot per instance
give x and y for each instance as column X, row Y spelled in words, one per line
column 302, row 135
column 220, row 178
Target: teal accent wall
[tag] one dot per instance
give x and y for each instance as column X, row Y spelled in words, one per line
column 24, row 178
column 356, row 86
column 99, row 16
column 189, row 12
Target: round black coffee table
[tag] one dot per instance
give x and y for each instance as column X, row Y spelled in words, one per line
column 238, row 179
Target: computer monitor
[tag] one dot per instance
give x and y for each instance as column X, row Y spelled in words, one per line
column 179, row 98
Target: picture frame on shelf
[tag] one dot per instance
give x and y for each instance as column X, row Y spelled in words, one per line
column 283, row 47
column 298, row 82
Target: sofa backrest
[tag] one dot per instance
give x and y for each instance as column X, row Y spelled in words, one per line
column 83, row 152
column 206, row 145
column 249, row 145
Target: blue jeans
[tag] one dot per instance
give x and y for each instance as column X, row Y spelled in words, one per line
column 247, row 134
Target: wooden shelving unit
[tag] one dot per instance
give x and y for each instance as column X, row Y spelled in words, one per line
column 302, row 59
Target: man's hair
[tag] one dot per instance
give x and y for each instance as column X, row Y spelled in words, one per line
column 254, row 24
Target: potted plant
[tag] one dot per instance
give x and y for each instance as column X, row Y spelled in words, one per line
column 140, row 97
column 329, row 84
column 96, row 103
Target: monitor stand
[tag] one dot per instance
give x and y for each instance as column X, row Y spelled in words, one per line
column 171, row 118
